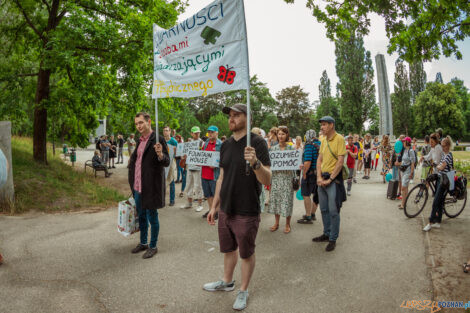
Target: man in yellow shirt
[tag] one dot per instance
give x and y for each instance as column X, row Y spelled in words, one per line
column 329, row 167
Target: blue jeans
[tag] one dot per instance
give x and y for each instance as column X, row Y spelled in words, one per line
column 438, row 203
column 172, row 192
column 147, row 217
column 183, row 184
column 179, row 171
column 329, row 211
column 395, row 173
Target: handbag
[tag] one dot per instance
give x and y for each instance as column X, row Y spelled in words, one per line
column 295, row 183
column 345, row 169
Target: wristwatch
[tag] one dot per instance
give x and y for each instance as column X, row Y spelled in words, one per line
column 257, row 165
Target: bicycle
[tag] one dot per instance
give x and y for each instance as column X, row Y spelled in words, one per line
column 418, row 196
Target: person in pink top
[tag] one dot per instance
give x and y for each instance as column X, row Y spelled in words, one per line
column 147, row 182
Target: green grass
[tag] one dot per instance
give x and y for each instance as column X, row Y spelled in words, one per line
column 56, row 186
column 461, row 155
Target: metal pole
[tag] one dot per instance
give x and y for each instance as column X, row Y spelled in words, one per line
column 248, row 107
column 156, row 120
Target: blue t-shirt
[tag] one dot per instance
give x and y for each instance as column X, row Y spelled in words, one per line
column 311, row 153
column 172, row 142
column 3, row 169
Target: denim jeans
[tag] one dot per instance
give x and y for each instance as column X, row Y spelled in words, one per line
column 395, row 173
column 179, row 171
column 147, row 217
column 329, row 211
column 172, row 192
column 183, row 184
column 438, row 203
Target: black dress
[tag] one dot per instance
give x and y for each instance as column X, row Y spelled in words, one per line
column 112, row 154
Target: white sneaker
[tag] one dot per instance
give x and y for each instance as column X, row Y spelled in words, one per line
column 199, row 208
column 436, row 225
column 427, row 227
column 349, row 194
column 187, row 206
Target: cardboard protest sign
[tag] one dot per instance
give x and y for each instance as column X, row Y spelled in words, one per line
column 185, row 147
column 285, row 160
column 202, row 55
column 203, row 158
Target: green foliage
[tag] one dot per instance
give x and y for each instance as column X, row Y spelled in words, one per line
column 401, row 101
column 221, row 121
column 294, row 109
column 328, row 105
column 269, row 121
column 92, row 58
column 56, row 187
column 439, row 106
column 356, row 83
column 417, row 29
column 464, row 96
column 417, row 79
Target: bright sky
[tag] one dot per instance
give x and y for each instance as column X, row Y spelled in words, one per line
column 287, row 47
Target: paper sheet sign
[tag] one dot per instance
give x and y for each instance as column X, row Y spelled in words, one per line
column 202, row 55
column 185, row 147
column 203, row 158
column 285, row 160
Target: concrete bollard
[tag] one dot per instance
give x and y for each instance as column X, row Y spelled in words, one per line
column 7, row 192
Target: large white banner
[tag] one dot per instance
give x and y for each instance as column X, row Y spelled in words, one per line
column 203, row 158
column 203, row 55
column 285, row 160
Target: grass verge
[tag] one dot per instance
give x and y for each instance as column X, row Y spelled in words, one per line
column 54, row 187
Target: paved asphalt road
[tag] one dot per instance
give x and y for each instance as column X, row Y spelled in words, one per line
column 78, row 262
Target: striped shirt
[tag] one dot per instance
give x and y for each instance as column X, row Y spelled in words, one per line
column 449, row 159
column 311, row 153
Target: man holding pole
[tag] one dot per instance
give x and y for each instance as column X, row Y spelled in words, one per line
column 237, row 195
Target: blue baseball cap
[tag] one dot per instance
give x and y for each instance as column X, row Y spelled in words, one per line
column 213, row 128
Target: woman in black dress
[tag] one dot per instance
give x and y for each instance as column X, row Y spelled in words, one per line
column 112, row 151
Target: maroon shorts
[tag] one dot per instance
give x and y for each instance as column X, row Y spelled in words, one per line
column 238, row 231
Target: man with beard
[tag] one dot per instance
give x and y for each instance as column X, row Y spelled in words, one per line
column 237, row 195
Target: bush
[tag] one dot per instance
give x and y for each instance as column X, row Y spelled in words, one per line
column 459, row 148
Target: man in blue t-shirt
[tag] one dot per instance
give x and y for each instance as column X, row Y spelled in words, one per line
column 170, row 179
column 309, row 176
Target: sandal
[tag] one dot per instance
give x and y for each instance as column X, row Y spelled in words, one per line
column 287, row 229
column 274, row 228
column 466, row 268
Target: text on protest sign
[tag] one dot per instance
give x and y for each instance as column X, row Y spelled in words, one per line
column 185, row 147
column 285, row 160
column 203, row 55
column 203, row 158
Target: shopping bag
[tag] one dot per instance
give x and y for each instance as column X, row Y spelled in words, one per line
column 128, row 218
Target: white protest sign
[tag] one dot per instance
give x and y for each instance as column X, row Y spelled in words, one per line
column 285, row 160
column 184, row 148
column 202, row 55
column 204, row 158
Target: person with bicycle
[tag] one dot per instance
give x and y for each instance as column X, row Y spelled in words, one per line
column 446, row 165
column 426, row 164
column 407, row 167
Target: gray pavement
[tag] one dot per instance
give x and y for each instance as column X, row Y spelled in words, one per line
column 78, row 262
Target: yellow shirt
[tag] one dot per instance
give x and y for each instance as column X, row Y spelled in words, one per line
column 338, row 147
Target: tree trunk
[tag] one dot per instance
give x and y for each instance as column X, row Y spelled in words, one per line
column 40, row 117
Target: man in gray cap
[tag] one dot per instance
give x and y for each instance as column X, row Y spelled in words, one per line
column 237, row 195
column 329, row 176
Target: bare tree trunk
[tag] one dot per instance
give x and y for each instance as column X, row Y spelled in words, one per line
column 40, row 117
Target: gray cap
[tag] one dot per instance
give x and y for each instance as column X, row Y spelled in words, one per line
column 327, row 119
column 238, row 107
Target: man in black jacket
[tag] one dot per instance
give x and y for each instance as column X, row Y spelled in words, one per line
column 147, row 182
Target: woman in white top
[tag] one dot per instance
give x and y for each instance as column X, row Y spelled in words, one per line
column 436, row 153
column 446, row 165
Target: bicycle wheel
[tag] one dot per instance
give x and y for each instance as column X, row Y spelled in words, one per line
column 416, row 200
column 453, row 206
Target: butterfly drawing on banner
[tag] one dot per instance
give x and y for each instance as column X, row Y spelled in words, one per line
column 226, row 75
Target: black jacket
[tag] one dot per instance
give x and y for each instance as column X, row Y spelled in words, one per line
column 153, row 173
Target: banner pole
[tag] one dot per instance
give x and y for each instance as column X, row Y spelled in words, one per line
column 248, row 107
column 156, row 120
